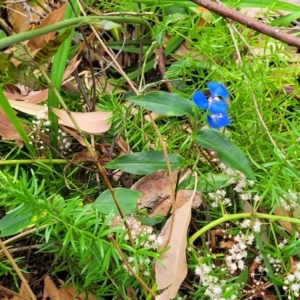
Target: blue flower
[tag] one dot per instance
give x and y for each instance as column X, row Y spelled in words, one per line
column 218, row 120
column 216, row 104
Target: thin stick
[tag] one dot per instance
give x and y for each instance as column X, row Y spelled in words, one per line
column 17, row 270
column 232, row 14
column 113, row 241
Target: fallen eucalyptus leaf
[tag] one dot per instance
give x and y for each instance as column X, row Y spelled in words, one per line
column 171, row 274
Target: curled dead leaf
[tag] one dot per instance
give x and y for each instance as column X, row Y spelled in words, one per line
column 90, row 122
column 32, row 97
column 279, row 211
column 8, row 131
column 54, row 17
column 94, row 122
column 170, row 275
column 155, row 189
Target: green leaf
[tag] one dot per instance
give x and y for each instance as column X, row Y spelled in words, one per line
column 286, row 20
column 145, row 162
column 127, row 199
column 228, row 152
column 151, row 221
column 16, row 220
column 164, row 103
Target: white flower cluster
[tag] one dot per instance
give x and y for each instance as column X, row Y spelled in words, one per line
column 39, row 125
column 238, row 252
column 138, row 231
column 241, row 183
column 214, row 287
column 64, row 141
column 292, row 283
column 145, row 264
column 289, row 201
column 219, row 196
column 42, row 125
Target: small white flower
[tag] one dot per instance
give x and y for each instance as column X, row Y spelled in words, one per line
column 246, row 223
column 251, row 182
column 198, row 271
column 245, row 196
column 256, row 198
column 47, row 123
column 152, row 238
column 256, row 226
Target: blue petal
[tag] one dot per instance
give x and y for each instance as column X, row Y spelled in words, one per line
column 217, row 106
column 200, row 100
column 218, row 121
column 217, row 89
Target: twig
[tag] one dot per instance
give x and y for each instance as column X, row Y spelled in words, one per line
column 18, row 271
column 231, row 29
column 136, row 276
column 249, row 22
column 162, row 67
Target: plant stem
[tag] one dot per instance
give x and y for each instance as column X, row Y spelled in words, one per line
column 227, row 218
column 33, row 161
column 136, row 276
column 74, row 22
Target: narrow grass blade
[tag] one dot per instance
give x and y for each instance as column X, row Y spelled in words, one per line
column 4, row 104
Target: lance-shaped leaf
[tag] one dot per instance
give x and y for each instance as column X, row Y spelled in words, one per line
column 127, row 199
column 167, row 104
column 227, row 151
column 145, row 162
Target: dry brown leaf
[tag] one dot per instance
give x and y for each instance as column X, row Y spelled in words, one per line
column 27, row 108
column 83, row 156
column 19, row 18
column 54, row 17
column 52, row 292
column 23, row 293
column 74, row 133
column 64, row 293
column 155, row 189
column 286, row 225
column 32, row 97
column 89, row 122
column 8, row 131
column 72, row 65
column 185, row 195
column 72, row 292
column 170, row 276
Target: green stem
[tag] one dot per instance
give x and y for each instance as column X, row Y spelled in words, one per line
column 57, row 72
column 228, row 218
column 33, row 161
column 99, row 21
